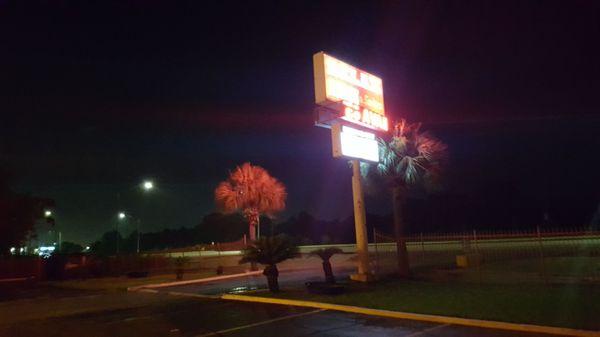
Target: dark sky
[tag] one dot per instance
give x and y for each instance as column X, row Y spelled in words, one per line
column 96, row 97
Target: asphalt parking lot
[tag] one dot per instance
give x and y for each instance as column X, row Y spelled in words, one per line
column 160, row 314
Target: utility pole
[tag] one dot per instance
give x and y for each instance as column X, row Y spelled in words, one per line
column 117, row 226
column 138, row 235
column 117, row 237
column 360, row 226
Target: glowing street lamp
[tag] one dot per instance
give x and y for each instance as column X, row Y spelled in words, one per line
column 123, row 216
column 47, row 213
column 148, row 185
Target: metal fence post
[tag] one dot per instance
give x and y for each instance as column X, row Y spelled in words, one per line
column 422, row 248
column 541, row 254
column 376, row 251
column 477, row 254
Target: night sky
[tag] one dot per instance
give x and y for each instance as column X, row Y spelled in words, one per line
column 94, row 98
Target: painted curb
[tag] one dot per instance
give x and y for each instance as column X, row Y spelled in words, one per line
column 420, row 317
column 201, row 280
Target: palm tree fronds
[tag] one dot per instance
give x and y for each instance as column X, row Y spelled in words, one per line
column 251, row 187
column 411, row 156
column 326, row 253
column 270, row 250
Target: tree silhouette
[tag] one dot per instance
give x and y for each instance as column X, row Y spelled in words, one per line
column 18, row 214
column 252, row 191
column 411, row 158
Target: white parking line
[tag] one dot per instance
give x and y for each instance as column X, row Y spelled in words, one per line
column 216, row 333
column 427, row 331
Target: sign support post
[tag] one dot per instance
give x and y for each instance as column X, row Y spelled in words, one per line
column 351, row 100
column 360, row 227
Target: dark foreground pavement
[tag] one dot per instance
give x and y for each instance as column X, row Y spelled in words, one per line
column 117, row 314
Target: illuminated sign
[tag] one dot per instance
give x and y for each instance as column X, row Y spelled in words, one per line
column 359, row 93
column 354, row 143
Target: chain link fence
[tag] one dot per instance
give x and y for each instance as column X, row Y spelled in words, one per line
column 548, row 256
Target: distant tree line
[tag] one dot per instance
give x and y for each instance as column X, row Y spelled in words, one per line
column 18, row 214
column 217, row 227
column 437, row 213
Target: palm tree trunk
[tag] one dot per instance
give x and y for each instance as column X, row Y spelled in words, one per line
column 272, row 274
column 252, row 231
column 329, row 278
column 252, row 216
column 398, row 204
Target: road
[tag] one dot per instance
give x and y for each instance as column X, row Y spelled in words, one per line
column 143, row 314
column 287, row 278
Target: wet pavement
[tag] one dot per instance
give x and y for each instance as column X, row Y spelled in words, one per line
column 153, row 315
column 113, row 314
column 309, row 322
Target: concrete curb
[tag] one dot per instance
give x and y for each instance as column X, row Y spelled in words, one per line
column 17, row 279
column 201, row 280
column 420, row 317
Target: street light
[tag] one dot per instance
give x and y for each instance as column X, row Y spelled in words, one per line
column 50, row 220
column 123, row 216
column 148, row 185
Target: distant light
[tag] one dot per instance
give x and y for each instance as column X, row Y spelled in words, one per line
column 21, row 250
column 46, row 251
column 47, row 213
column 122, row 215
column 87, row 247
column 12, row 250
column 148, row 185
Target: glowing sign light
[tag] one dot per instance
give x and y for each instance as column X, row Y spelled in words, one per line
column 353, row 143
column 360, row 93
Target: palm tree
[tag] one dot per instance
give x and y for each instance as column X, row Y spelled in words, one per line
column 180, row 264
column 411, row 158
column 269, row 251
column 253, row 191
column 325, row 254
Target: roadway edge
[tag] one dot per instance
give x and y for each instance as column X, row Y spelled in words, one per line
column 200, row 280
column 419, row 317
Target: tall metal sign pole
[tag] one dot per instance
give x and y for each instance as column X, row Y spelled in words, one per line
column 351, row 105
column 360, row 226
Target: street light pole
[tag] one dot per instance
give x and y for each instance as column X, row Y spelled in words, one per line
column 138, row 235
column 117, row 226
column 146, row 186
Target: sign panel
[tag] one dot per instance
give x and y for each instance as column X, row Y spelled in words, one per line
column 356, row 94
column 353, row 143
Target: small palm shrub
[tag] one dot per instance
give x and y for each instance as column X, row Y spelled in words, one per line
column 325, row 254
column 269, row 251
column 180, row 263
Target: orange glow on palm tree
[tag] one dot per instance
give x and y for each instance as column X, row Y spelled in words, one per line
column 252, row 191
